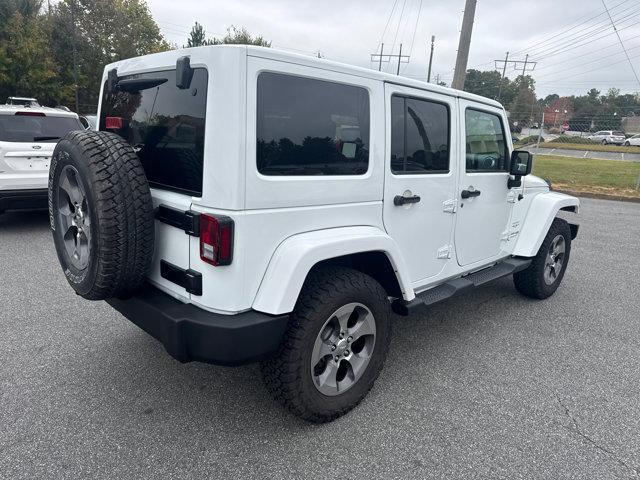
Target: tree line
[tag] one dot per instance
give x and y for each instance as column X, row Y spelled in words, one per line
column 39, row 44
column 594, row 110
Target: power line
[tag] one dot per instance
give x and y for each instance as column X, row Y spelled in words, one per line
column 621, row 42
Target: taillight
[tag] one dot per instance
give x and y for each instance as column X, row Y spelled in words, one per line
column 113, row 123
column 30, row 114
column 216, row 239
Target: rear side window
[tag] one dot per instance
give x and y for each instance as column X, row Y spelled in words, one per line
column 419, row 136
column 311, row 127
column 35, row 128
column 485, row 142
column 165, row 126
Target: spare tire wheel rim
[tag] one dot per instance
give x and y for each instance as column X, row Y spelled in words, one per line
column 343, row 349
column 74, row 219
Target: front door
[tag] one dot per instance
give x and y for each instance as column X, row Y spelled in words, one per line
column 483, row 196
column 420, row 181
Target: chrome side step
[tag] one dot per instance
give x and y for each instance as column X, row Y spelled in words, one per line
column 457, row 286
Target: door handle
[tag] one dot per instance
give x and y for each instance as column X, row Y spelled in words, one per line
column 400, row 200
column 470, row 193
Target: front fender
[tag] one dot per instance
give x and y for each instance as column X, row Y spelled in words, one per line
column 295, row 257
column 543, row 209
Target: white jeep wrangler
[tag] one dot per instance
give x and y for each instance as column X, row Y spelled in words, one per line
column 242, row 204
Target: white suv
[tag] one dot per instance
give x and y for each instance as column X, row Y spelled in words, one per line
column 243, row 204
column 608, row 137
column 28, row 136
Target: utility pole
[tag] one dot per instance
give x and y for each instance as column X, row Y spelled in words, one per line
column 74, row 55
column 433, row 39
column 524, row 68
column 460, row 72
column 504, row 71
column 386, row 58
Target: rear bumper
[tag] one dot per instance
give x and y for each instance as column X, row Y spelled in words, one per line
column 23, row 199
column 189, row 333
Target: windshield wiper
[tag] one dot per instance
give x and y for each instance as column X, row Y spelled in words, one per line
column 45, row 137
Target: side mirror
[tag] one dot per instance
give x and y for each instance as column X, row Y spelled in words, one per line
column 84, row 122
column 521, row 164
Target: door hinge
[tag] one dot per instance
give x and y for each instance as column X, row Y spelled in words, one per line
column 450, row 206
column 444, row 253
column 511, row 196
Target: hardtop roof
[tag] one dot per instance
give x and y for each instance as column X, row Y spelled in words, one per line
column 307, row 60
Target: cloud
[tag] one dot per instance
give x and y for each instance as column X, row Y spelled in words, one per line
column 349, row 31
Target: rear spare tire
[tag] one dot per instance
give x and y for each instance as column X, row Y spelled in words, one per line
column 101, row 214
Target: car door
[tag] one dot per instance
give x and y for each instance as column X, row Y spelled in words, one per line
column 485, row 201
column 420, row 173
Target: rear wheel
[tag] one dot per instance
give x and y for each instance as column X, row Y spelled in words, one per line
column 627, row 144
column 543, row 277
column 335, row 345
column 604, row 142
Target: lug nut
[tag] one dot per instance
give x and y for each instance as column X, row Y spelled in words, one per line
column 349, row 338
column 333, row 347
column 337, row 358
column 346, row 353
column 341, row 336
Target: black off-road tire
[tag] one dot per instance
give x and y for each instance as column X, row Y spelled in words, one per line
column 530, row 282
column 288, row 374
column 120, row 210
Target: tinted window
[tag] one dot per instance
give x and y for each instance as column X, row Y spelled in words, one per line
column 165, row 125
column 486, row 145
column 311, row 127
column 419, row 136
column 31, row 128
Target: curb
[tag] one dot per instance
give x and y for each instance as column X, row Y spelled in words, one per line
column 599, row 196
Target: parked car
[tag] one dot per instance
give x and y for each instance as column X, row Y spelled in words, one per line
column 608, row 137
column 634, row 140
column 277, row 207
column 28, row 136
column 23, row 101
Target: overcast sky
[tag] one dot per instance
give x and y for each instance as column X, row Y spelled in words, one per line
column 573, row 40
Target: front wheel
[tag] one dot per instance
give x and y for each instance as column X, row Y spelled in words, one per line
column 334, row 347
column 627, row 144
column 604, row 142
column 542, row 278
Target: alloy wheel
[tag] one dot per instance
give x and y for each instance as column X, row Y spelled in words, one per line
column 343, row 349
column 74, row 221
column 555, row 259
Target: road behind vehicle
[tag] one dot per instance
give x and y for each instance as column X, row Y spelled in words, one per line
column 243, row 204
column 28, row 136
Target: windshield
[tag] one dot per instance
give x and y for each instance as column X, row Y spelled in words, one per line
column 32, row 128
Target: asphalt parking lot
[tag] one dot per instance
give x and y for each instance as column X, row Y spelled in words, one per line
column 565, row 152
column 490, row 385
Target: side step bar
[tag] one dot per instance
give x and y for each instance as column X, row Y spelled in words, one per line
column 460, row 285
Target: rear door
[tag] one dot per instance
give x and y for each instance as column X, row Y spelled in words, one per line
column 420, row 168
column 485, row 200
column 165, row 126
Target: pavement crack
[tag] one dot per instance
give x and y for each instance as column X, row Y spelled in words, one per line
column 575, row 428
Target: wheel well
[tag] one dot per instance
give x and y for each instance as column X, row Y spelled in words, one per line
column 375, row 264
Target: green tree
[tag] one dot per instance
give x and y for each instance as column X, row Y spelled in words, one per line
column 103, row 32
column 486, row 83
column 198, row 37
column 26, row 65
column 241, row 36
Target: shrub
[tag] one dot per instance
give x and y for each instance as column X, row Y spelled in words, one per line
column 580, row 140
column 528, row 140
